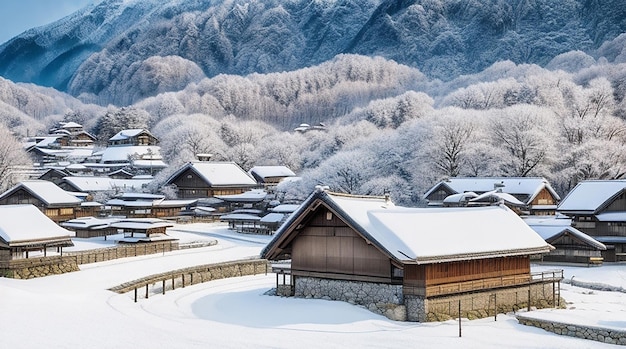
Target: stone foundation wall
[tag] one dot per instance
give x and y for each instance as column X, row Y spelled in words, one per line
column 29, row 268
column 382, row 299
column 611, row 336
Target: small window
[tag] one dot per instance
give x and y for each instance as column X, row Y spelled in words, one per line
column 329, row 216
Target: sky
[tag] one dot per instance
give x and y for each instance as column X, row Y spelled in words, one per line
column 76, row 310
column 17, row 16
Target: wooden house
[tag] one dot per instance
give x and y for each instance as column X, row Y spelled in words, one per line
column 26, row 232
column 270, row 176
column 133, row 137
column 90, row 227
column 598, row 208
column 531, row 195
column 53, row 175
column 413, row 258
column 138, row 230
column 93, row 184
column 141, row 205
column 53, row 201
column 571, row 245
column 203, row 179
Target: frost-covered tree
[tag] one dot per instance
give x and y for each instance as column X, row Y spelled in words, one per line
column 116, row 120
column 524, row 137
column 13, row 159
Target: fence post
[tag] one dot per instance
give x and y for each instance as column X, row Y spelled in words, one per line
column 163, row 286
column 459, row 317
column 135, row 294
column 146, row 291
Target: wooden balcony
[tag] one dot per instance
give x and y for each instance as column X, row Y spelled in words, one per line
column 485, row 284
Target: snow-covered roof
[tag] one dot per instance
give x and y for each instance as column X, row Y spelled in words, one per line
column 427, row 235
column 217, row 174
column 460, row 197
column 125, row 134
column 530, row 186
column 140, row 196
column 254, row 195
column 495, row 194
column 239, row 217
column 89, row 223
column 92, row 184
column 285, row 208
column 122, row 154
column 141, row 225
column 149, row 203
column 591, row 196
column 272, row 218
column 271, row 171
column 550, row 228
column 47, row 192
column 153, row 164
column 46, row 141
column 26, row 225
column 617, row 216
column 70, row 124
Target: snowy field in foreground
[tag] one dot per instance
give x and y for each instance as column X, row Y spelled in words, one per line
column 76, row 311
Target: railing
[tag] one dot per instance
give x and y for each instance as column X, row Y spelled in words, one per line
column 489, row 283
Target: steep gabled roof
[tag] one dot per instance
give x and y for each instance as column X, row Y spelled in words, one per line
column 217, row 174
column 530, row 186
column 24, row 225
column 590, row 197
column 47, row 192
column 421, row 235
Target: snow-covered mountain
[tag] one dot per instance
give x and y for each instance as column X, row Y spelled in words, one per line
column 153, row 46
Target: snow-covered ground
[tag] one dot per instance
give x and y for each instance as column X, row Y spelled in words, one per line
column 75, row 310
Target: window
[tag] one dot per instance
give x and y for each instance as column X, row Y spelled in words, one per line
column 52, row 212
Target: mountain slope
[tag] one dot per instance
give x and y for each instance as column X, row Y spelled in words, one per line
column 96, row 51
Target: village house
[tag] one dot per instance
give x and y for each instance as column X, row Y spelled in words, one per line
column 93, row 184
column 205, row 179
column 53, row 201
column 598, row 208
column 270, row 176
column 136, row 149
column 527, row 195
column 142, row 205
column 31, row 244
column 409, row 263
column 571, row 245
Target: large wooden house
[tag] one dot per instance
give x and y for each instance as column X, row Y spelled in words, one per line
column 204, row 179
column 53, row 201
column 417, row 259
column 598, row 208
column 133, row 137
column 530, row 195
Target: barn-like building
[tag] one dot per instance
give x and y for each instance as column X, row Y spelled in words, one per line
column 409, row 263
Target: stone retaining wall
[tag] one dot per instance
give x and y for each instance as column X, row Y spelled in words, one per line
column 159, row 283
column 382, row 299
column 29, row 268
column 123, row 251
column 611, row 336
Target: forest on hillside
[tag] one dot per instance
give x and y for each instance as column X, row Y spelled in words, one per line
column 386, row 126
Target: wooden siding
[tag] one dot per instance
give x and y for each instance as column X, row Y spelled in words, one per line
column 328, row 245
column 544, row 198
column 192, row 186
column 440, row 278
